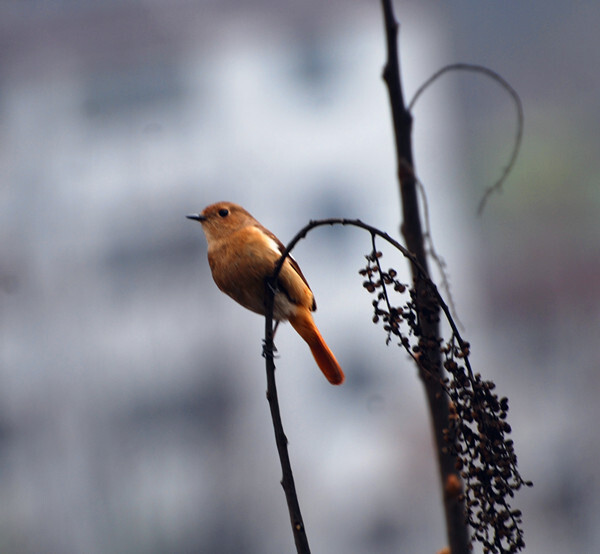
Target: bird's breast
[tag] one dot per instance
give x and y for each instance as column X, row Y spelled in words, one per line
column 240, row 266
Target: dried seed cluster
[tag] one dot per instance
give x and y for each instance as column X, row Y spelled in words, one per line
column 477, row 427
column 486, row 459
column 377, row 281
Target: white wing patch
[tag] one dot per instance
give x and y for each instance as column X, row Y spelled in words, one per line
column 273, row 245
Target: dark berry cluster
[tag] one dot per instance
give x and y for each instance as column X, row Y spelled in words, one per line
column 377, row 281
column 486, row 460
column 477, row 428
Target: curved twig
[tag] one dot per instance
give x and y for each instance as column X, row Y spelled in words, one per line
column 287, row 481
column 374, row 231
column 475, row 389
column 496, row 186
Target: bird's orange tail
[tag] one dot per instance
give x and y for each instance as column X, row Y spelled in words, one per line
column 304, row 325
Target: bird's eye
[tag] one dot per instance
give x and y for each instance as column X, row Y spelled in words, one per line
column 223, row 212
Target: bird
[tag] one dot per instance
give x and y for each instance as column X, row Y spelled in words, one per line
column 242, row 254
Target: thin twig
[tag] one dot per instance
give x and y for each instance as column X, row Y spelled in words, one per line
column 437, row 259
column 287, row 481
column 497, row 186
column 418, row 269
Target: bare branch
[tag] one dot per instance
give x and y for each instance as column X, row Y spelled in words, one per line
column 287, row 480
column 430, row 355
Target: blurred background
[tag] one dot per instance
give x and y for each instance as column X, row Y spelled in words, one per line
column 132, row 392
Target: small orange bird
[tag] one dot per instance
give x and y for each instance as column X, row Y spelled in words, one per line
column 241, row 255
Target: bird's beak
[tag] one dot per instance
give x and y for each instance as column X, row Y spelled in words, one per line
column 196, row 217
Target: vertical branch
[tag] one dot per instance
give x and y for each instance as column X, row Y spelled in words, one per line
column 402, row 119
column 430, row 367
column 287, row 480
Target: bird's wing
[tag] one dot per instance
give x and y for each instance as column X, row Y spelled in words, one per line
column 294, row 264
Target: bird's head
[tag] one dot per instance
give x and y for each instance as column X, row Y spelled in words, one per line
column 222, row 219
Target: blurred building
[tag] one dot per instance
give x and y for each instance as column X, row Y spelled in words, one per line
column 132, row 410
